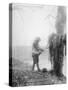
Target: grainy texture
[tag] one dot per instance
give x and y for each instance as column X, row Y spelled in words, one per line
column 26, row 78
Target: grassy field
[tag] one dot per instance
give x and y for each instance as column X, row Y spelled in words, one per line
column 29, row 78
column 23, row 76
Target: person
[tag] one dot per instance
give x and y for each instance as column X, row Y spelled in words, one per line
column 58, row 57
column 52, row 44
column 36, row 51
column 61, row 55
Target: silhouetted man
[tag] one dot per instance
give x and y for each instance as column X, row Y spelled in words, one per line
column 58, row 57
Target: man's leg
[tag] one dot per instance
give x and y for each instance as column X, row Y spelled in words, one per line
column 37, row 62
column 33, row 66
column 33, row 63
column 38, row 66
column 51, row 62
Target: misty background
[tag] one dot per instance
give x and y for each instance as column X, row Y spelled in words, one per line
column 31, row 21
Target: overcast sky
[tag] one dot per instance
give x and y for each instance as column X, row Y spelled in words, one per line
column 31, row 21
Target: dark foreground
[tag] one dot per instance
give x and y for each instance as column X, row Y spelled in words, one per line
column 31, row 78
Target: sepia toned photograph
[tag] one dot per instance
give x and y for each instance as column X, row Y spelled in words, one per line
column 37, row 44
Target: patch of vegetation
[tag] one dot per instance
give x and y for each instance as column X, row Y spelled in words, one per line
column 29, row 78
column 18, row 78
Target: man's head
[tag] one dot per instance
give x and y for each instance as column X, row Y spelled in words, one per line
column 37, row 39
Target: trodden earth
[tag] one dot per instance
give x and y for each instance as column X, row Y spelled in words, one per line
column 31, row 78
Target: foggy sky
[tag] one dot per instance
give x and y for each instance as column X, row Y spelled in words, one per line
column 30, row 21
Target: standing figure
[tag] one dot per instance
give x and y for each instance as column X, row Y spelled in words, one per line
column 61, row 54
column 58, row 57
column 36, row 51
column 52, row 45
